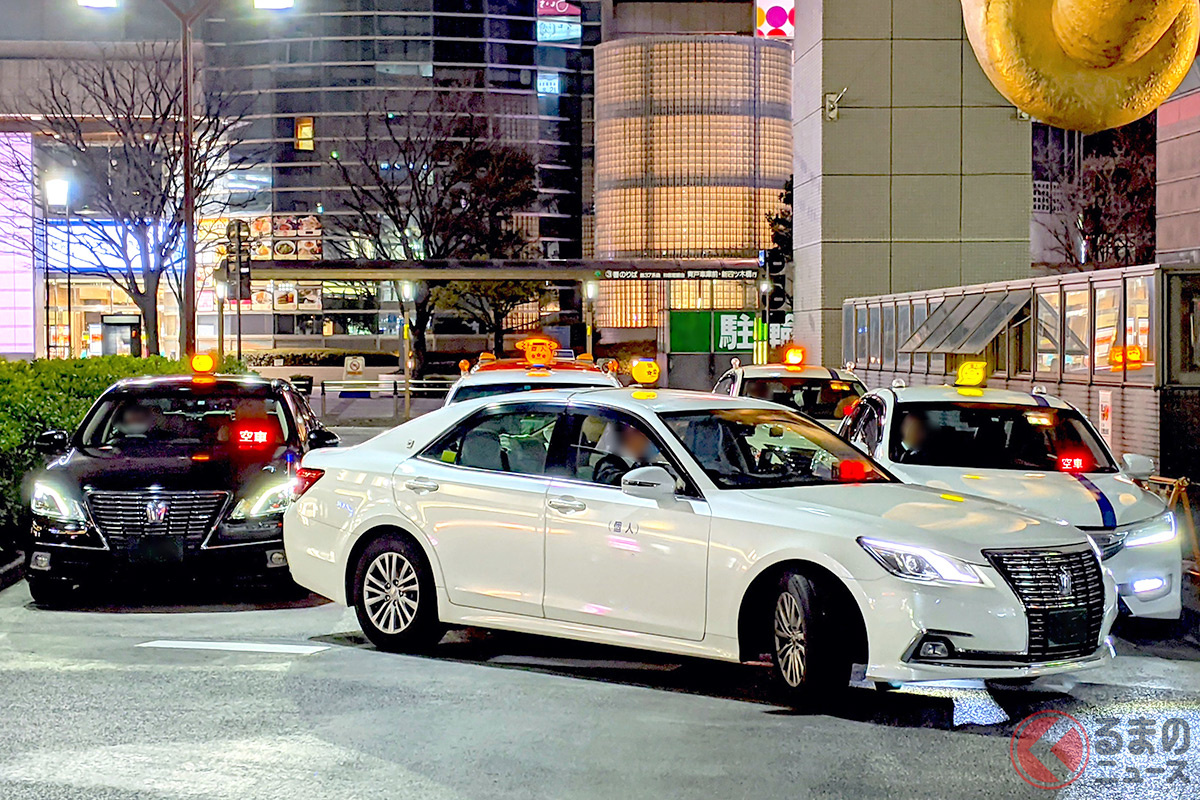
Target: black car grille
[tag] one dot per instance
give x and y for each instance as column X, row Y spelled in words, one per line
column 1062, row 590
column 188, row 516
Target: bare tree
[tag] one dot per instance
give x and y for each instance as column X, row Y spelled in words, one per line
column 487, row 303
column 114, row 123
column 1104, row 208
column 434, row 181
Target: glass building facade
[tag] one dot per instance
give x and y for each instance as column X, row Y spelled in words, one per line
column 312, row 72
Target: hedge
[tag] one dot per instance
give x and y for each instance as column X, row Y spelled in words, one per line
column 55, row 394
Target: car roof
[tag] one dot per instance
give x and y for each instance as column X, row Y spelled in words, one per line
column 503, row 364
column 535, row 374
column 637, row 398
column 246, row 382
column 946, row 393
column 804, row 371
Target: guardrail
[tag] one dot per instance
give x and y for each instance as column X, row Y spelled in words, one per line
column 402, row 392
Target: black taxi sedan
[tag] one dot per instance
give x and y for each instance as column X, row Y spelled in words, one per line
column 169, row 476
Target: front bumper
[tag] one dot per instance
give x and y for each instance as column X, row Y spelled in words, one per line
column 1158, row 562
column 985, row 627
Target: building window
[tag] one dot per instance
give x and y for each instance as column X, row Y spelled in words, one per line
column 875, row 332
column 1076, row 331
column 861, row 359
column 1049, row 321
column 1108, row 349
column 903, row 331
column 920, row 312
column 1141, row 347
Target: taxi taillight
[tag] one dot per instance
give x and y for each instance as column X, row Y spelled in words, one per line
column 305, row 478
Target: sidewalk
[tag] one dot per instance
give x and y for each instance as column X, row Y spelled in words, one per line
column 12, row 568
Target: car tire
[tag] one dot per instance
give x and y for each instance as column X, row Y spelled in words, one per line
column 52, row 592
column 810, row 668
column 394, row 596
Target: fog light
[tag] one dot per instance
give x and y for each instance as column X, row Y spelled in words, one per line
column 276, row 558
column 1144, row 585
column 39, row 561
column 935, row 650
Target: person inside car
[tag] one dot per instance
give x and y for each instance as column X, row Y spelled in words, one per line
column 914, row 436
column 633, row 449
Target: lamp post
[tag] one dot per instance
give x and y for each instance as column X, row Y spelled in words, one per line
column 221, row 288
column 58, row 195
column 591, row 291
column 188, row 15
column 408, row 293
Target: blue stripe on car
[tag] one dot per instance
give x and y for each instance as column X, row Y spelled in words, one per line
column 1108, row 515
column 1041, row 401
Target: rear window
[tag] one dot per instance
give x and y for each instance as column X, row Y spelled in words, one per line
column 186, row 419
column 493, row 389
column 823, row 398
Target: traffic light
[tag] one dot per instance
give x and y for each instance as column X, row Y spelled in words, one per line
column 776, row 263
column 235, row 278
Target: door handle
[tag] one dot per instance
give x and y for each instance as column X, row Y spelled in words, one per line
column 422, row 485
column 566, row 505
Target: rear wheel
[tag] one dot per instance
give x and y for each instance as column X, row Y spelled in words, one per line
column 394, row 596
column 810, row 667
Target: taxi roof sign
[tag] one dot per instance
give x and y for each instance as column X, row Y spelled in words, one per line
column 540, row 350
column 972, row 374
column 203, row 363
column 793, row 356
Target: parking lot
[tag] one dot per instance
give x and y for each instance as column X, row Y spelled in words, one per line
column 176, row 692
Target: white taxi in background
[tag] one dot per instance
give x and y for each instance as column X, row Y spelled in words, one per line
column 825, row 394
column 1036, row 452
column 692, row 524
column 542, row 366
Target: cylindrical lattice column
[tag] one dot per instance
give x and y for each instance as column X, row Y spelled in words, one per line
column 693, row 144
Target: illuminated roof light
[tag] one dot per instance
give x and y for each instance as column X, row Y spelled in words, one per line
column 538, row 349
column 586, row 357
column 464, row 366
column 645, row 370
column 972, row 373
column 487, row 358
column 793, row 356
column 204, row 363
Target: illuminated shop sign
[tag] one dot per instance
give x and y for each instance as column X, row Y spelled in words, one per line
column 557, row 8
column 549, row 83
column 776, row 18
column 16, row 254
column 558, row 30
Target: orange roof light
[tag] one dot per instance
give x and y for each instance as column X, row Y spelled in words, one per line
column 793, row 356
column 204, row 363
column 538, row 350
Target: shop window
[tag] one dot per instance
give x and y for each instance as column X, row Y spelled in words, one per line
column 1108, row 348
column 1076, row 331
column 1141, row 346
column 889, row 337
column 1049, row 322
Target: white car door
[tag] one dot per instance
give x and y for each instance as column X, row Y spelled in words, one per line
column 619, row 561
column 479, row 494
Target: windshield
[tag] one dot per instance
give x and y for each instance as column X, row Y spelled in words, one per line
column 996, row 436
column 758, row 448
column 823, row 398
column 493, row 389
column 187, row 419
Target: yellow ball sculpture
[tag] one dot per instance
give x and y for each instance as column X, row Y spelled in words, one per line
column 1084, row 65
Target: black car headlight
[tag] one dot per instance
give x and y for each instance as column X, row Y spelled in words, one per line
column 268, row 501
column 51, row 502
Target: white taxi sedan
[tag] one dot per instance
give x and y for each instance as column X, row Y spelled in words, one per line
column 821, row 392
column 691, row 524
column 491, row 377
column 1036, row 452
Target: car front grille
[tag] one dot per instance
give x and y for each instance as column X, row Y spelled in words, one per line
column 187, row 516
column 1062, row 589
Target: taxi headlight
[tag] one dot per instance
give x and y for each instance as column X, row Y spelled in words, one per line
column 49, row 501
column 920, row 563
column 1154, row 531
column 274, row 499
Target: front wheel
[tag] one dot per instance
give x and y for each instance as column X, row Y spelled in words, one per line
column 809, row 667
column 394, row 597
column 52, row 592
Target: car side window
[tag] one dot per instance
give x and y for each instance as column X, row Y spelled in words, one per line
column 515, row 441
column 605, row 445
column 725, row 385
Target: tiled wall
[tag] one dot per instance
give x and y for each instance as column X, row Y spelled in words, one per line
column 922, row 181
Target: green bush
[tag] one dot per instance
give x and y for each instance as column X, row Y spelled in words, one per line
column 319, row 358
column 54, row 395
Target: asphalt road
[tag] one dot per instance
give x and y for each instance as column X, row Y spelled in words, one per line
column 88, row 710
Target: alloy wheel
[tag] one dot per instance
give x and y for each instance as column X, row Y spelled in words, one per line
column 790, row 640
column 391, row 592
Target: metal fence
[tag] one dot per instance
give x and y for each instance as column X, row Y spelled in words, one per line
column 379, row 401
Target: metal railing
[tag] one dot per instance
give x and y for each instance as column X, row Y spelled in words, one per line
column 402, row 392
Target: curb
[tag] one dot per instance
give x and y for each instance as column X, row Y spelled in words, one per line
column 11, row 571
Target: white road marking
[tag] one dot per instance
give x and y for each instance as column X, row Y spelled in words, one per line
column 237, row 647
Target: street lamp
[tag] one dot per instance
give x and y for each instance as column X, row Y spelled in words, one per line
column 408, row 293
column 188, row 16
column 591, row 291
column 58, row 195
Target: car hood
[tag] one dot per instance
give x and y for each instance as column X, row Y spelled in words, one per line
column 169, row 469
column 956, row 525
column 1093, row 500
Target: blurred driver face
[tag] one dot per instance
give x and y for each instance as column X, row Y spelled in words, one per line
column 135, row 421
column 634, row 445
column 912, row 432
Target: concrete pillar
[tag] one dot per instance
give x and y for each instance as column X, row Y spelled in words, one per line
column 922, row 181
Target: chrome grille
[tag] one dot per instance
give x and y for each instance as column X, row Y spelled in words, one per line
column 189, row 516
column 1053, row 583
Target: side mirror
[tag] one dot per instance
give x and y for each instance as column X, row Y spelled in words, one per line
column 322, row 437
column 52, row 443
column 650, row 483
column 1138, row 466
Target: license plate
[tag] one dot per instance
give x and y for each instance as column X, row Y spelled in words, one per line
column 155, row 549
column 1066, row 626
